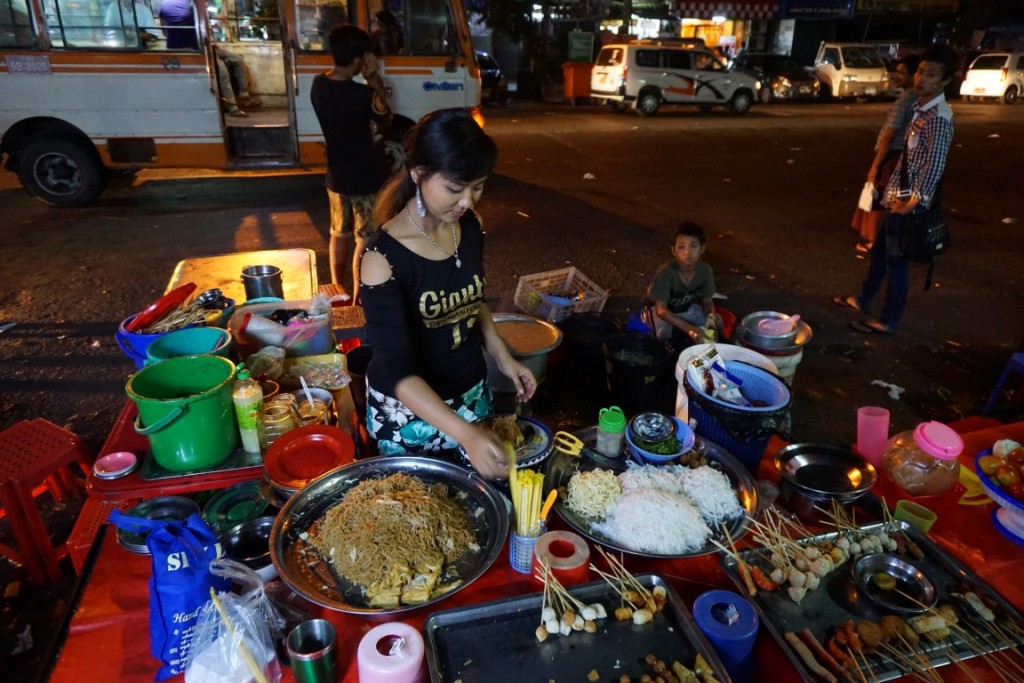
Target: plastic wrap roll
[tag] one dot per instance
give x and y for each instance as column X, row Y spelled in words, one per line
column 566, row 553
column 391, row 653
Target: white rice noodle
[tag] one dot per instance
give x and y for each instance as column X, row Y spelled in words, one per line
column 650, row 477
column 712, row 493
column 653, row 521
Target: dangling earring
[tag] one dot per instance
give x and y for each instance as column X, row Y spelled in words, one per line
column 421, row 208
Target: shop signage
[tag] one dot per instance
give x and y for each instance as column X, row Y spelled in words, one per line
column 816, row 9
column 581, row 46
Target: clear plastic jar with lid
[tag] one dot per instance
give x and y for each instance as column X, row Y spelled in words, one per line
column 925, row 461
column 276, row 418
column 611, row 431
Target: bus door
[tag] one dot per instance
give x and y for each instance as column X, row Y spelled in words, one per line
column 254, row 79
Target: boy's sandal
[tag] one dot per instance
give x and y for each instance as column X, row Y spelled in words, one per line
column 872, row 327
column 847, row 302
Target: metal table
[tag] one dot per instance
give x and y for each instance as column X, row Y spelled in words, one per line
column 224, row 272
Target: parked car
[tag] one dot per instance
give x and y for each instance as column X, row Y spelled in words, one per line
column 995, row 74
column 781, row 77
column 493, row 84
column 646, row 74
column 850, row 70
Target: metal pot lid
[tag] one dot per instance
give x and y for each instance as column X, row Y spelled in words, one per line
column 543, row 337
column 319, row 583
column 235, row 505
column 825, row 469
column 804, row 333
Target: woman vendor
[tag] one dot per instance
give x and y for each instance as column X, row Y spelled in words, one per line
column 422, row 289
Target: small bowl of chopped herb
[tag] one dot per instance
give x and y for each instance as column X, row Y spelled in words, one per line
column 666, row 450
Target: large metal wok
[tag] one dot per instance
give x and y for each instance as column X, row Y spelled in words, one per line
column 318, row 582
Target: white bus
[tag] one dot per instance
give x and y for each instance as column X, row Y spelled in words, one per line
column 85, row 88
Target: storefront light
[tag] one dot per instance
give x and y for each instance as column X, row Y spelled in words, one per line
column 718, row 19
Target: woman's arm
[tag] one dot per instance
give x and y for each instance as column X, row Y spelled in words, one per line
column 521, row 376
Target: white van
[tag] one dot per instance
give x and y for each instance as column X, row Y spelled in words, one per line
column 646, row 74
column 850, row 70
column 995, row 74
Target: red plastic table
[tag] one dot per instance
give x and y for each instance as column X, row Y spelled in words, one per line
column 108, row 636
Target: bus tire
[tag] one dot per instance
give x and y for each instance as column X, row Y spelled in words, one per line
column 61, row 172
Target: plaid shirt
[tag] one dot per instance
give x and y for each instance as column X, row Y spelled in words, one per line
column 928, row 138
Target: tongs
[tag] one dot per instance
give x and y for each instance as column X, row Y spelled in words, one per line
column 572, row 445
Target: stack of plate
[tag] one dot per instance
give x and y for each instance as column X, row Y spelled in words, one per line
column 167, row 508
column 115, row 465
column 301, row 455
column 235, row 505
column 749, row 333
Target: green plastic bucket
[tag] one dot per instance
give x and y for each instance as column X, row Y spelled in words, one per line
column 190, row 342
column 185, row 409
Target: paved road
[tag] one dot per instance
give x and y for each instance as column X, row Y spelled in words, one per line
column 581, row 186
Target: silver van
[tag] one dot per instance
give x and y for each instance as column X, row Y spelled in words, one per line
column 850, row 70
column 646, row 74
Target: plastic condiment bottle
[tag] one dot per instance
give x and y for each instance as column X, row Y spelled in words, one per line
column 924, row 462
column 611, row 430
column 248, row 398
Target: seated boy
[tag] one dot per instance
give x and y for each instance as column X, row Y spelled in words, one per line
column 682, row 289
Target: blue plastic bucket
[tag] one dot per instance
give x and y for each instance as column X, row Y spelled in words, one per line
column 192, row 341
column 135, row 344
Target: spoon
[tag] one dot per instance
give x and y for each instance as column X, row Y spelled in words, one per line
column 305, row 388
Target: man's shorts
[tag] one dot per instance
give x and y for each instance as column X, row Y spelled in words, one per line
column 352, row 214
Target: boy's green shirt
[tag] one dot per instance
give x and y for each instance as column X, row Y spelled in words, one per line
column 668, row 286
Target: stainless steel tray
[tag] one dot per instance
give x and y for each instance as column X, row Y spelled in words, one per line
column 319, row 583
column 836, row 600
column 561, row 467
column 495, row 641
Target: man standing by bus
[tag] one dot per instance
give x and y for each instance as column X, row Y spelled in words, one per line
column 349, row 112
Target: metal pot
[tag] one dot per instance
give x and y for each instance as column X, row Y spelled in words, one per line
column 813, row 475
column 535, row 357
column 751, row 333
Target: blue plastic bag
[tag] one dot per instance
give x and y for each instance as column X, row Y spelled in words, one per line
column 180, row 584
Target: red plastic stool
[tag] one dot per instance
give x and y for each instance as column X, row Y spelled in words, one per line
column 94, row 515
column 35, row 455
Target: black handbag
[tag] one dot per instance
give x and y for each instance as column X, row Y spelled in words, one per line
column 925, row 235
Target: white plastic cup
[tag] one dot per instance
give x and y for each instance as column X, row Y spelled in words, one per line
column 872, row 433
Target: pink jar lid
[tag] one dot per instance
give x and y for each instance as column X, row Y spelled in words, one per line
column 938, row 440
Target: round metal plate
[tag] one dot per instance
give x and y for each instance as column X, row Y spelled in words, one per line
column 826, row 469
column 319, row 584
column 913, row 592
column 536, row 447
column 561, row 467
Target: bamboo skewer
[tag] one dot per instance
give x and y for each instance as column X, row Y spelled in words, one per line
column 250, row 661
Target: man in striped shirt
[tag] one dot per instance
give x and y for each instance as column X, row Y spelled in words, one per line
column 914, row 187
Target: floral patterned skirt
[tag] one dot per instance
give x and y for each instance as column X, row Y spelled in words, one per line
column 399, row 432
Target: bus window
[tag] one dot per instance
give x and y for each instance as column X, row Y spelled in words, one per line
column 178, row 19
column 15, row 25
column 244, row 20
column 429, row 29
column 98, row 24
column 316, row 18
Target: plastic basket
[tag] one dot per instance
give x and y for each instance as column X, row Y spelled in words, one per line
column 748, row 452
column 520, row 552
column 557, row 294
column 758, row 385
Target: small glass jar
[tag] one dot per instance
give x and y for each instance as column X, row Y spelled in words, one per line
column 611, row 431
column 276, row 418
column 313, row 412
column 925, row 461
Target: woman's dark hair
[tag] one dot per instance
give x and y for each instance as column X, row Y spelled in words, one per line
column 446, row 141
column 911, row 62
column 690, row 229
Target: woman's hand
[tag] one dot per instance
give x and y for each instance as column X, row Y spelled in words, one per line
column 521, row 376
column 486, row 453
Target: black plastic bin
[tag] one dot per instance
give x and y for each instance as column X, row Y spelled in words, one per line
column 585, row 334
column 640, row 372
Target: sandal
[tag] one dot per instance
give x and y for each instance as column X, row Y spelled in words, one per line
column 847, row 302
column 872, row 327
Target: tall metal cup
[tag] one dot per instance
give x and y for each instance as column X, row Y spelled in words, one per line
column 261, row 281
column 311, row 648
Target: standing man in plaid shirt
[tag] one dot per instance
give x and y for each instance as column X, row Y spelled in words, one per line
column 914, row 187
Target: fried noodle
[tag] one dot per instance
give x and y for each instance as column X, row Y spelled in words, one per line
column 394, row 537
